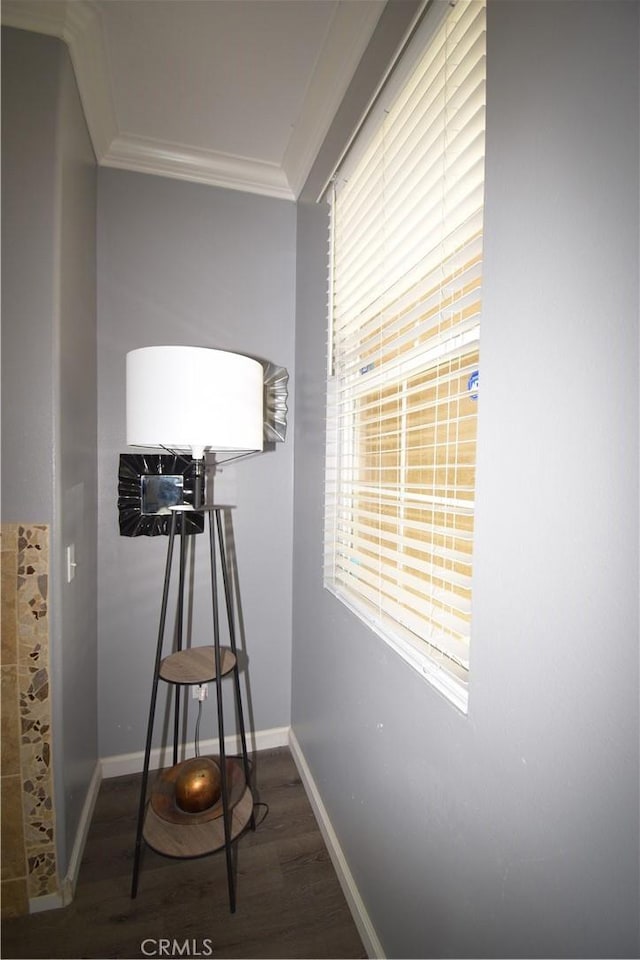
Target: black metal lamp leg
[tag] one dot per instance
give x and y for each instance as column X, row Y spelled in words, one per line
column 226, row 813
column 178, row 634
column 232, row 639
column 152, row 709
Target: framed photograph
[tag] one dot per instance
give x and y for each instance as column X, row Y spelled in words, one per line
column 148, row 486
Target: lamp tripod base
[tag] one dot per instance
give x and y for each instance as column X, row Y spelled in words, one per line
column 198, row 834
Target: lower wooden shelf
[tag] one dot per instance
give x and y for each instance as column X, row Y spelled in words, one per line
column 185, row 841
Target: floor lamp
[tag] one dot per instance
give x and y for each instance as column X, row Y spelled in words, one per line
column 196, row 400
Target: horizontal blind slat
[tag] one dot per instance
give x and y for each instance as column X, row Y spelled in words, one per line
column 406, row 304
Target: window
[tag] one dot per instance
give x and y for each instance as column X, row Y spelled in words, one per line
column 405, row 302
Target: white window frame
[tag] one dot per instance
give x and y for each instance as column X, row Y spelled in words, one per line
column 446, row 674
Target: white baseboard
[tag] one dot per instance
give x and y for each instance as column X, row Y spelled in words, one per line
column 124, row 763
column 62, row 898
column 358, row 910
column 50, row 901
column 71, row 879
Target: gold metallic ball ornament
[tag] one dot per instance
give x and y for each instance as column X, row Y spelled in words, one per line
column 198, row 785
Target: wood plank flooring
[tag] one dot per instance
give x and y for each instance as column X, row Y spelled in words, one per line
column 289, row 901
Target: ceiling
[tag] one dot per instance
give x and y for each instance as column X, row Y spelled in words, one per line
column 235, row 93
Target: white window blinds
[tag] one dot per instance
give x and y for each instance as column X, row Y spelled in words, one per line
column 406, row 273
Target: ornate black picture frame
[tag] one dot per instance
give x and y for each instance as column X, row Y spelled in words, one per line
column 144, row 499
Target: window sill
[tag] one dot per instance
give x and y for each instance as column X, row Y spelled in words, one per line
column 452, row 687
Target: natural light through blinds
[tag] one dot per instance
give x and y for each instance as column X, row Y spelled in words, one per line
column 406, row 281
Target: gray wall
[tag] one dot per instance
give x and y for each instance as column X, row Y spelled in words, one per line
column 29, row 308
column 76, row 442
column 512, row 832
column 49, row 463
column 181, row 263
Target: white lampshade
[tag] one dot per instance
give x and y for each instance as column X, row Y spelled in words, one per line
column 194, row 398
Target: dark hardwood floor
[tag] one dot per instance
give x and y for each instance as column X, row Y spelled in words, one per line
column 289, row 901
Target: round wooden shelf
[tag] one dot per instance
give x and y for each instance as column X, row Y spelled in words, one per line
column 196, row 665
column 186, row 841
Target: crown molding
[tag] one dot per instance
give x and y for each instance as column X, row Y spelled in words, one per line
column 349, row 33
column 139, row 154
column 84, row 35
column 39, row 16
column 79, row 24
